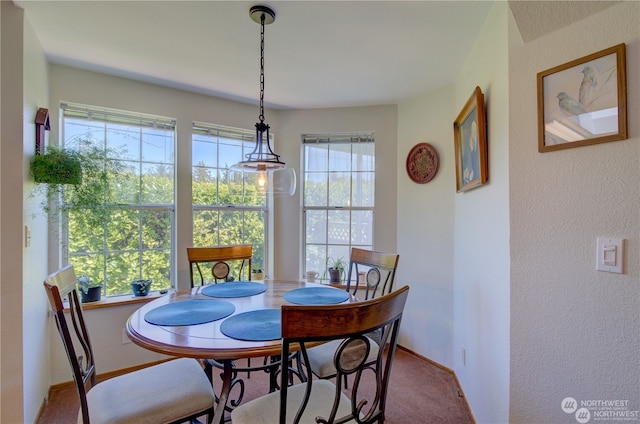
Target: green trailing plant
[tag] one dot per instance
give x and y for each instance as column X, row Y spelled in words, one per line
column 93, row 197
column 57, row 166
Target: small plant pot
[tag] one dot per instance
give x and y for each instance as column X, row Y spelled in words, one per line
column 92, row 295
column 140, row 287
column 257, row 275
column 334, row 275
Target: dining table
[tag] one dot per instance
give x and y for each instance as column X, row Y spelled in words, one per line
column 226, row 322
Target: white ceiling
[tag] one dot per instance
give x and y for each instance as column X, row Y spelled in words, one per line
column 317, row 53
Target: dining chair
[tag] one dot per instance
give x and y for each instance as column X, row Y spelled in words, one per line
column 331, row 403
column 379, row 274
column 217, row 258
column 171, row 392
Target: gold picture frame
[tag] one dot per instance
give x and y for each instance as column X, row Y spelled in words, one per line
column 584, row 101
column 470, row 140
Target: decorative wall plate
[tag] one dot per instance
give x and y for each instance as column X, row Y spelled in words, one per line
column 422, row 163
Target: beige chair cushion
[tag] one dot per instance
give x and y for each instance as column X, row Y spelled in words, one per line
column 321, row 357
column 159, row 394
column 266, row 409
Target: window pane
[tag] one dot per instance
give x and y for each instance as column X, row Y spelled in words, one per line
column 315, row 189
column 316, row 226
column 363, row 185
column 361, row 229
column 363, row 158
column 123, row 230
column 340, row 157
column 204, row 152
column 339, row 189
column 156, row 265
column 154, row 224
column 157, row 146
column 338, row 226
column 124, row 141
column 157, row 183
column 205, row 228
column 316, row 158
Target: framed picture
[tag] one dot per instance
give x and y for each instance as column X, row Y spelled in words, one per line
column 584, row 101
column 470, row 138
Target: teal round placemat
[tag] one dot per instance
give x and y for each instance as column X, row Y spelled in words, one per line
column 234, row 289
column 190, row 312
column 253, row 326
column 316, row 296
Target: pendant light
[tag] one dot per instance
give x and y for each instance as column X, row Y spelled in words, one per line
column 262, row 166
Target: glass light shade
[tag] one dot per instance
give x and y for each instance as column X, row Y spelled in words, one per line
column 276, row 182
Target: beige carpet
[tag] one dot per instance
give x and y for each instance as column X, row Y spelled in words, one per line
column 419, row 392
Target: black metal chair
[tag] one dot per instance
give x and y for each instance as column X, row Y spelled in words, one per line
column 322, row 400
column 171, row 392
column 379, row 271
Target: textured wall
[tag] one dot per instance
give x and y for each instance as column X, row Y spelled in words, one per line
column 574, row 330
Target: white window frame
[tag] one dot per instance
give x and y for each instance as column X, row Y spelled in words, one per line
column 330, row 249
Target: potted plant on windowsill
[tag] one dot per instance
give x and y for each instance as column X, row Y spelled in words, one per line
column 140, row 287
column 335, row 268
column 90, row 291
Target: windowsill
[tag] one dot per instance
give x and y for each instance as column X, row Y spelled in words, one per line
column 113, row 301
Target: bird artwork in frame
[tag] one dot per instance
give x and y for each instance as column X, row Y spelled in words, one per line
column 584, row 101
column 470, row 144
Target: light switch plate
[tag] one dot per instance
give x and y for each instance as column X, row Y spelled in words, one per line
column 609, row 255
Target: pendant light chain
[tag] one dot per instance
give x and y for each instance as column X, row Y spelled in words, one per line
column 261, row 117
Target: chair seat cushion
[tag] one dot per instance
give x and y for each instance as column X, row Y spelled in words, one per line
column 150, row 395
column 266, row 409
column 321, row 357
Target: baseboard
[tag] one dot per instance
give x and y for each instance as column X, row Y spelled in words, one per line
column 446, row 369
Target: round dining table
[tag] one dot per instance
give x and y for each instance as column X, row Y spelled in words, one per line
column 189, row 337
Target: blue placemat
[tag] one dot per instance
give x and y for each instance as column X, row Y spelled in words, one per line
column 253, row 326
column 234, row 289
column 316, row 296
column 190, row 312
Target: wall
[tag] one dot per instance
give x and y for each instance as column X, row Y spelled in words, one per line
column 574, row 330
column 11, row 181
column 35, row 305
column 456, row 245
column 425, row 228
column 481, row 236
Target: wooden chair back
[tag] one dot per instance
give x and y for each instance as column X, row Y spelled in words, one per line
column 379, row 269
column 60, row 285
column 349, row 323
column 216, row 258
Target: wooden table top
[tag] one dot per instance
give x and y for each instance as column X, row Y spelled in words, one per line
column 206, row 340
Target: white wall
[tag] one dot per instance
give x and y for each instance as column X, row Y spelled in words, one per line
column 574, row 330
column 457, row 244
column 34, row 265
column 11, row 181
column 425, row 228
column 481, row 236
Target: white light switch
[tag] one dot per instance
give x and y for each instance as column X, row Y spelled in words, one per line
column 609, row 255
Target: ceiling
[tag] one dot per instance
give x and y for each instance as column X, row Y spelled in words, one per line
column 317, row 53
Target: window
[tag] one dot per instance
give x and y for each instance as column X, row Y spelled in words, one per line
column 227, row 208
column 338, row 196
column 134, row 237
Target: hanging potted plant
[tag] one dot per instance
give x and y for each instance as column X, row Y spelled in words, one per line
column 90, row 291
column 57, row 166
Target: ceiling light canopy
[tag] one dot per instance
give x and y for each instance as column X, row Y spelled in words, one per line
column 273, row 175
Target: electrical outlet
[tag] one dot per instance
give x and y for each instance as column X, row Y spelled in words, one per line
column 464, row 356
column 125, row 338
